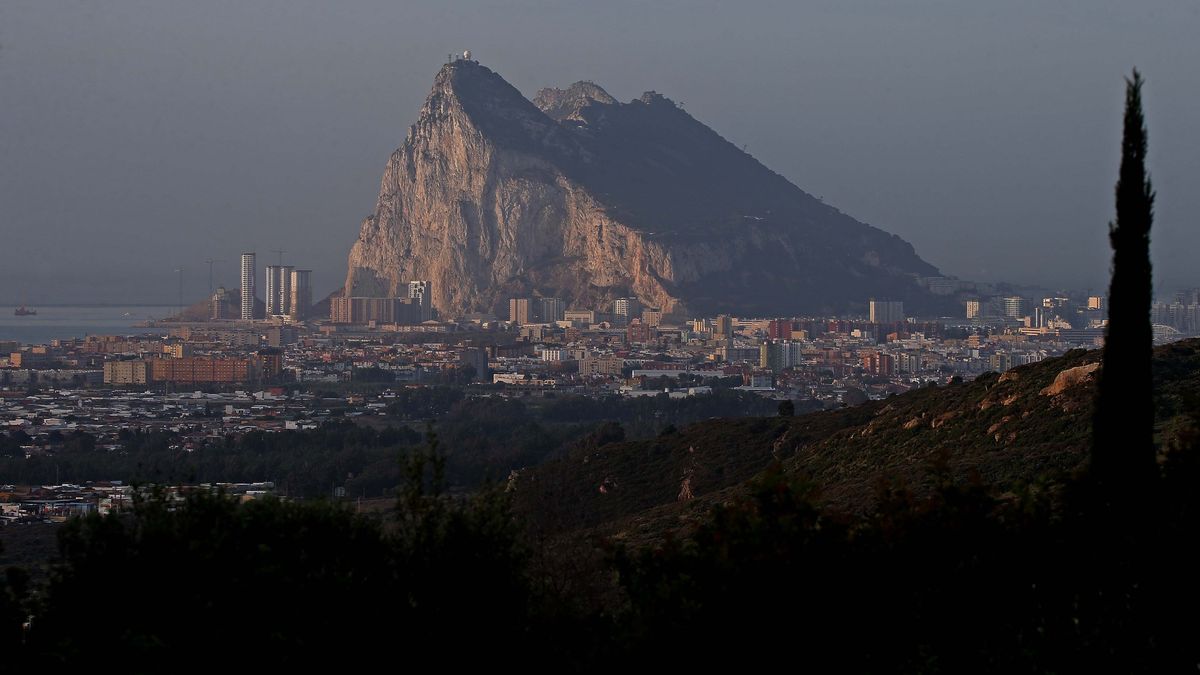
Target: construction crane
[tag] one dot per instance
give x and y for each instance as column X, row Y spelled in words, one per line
column 179, row 270
column 210, row 262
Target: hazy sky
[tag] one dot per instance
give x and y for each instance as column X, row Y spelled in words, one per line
column 139, row 137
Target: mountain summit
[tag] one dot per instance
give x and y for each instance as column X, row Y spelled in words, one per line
column 579, row 196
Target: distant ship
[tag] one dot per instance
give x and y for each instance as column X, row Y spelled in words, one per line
column 24, row 311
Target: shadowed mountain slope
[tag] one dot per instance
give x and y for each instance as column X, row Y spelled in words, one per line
column 580, row 196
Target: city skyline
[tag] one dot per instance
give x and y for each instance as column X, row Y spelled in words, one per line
column 1032, row 209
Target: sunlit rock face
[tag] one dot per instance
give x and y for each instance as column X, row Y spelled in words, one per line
column 579, row 196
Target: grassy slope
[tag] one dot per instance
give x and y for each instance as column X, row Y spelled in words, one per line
column 1001, row 428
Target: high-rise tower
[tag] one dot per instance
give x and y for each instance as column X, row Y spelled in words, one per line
column 301, row 300
column 518, row 311
column 551, row 309
column 279, row 290
column 248, row 266
column 421, row 294
column 886, row 311
column 625, row 309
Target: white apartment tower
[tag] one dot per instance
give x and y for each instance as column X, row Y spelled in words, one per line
column 248, row 286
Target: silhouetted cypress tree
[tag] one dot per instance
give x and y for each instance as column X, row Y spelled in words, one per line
column 1123, row 446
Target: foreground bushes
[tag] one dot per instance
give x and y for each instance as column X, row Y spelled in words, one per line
column 959, row 582
column 963, row 581
column 212, row 583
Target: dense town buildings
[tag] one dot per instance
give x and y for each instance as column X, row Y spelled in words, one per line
column 375, row 311
column 549, row 348
column 206, row 382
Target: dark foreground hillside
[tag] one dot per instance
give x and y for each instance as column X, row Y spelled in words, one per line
column 1026, row 427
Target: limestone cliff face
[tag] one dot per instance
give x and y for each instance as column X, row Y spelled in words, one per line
column 581, row 197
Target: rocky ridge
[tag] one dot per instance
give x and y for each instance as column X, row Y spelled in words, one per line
column 577, row 195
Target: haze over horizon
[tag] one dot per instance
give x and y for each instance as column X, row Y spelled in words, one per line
column 142, row 137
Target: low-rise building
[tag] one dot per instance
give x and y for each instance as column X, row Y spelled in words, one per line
column 608, row 366
column 126, row 372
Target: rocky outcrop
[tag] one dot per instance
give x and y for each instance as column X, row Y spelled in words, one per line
column 568, row 104
column 1069, row 378
column 579, row 196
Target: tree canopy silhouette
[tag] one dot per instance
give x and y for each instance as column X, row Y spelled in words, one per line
column 1123, row 428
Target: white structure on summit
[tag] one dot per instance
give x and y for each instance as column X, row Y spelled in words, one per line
column 467, row 55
